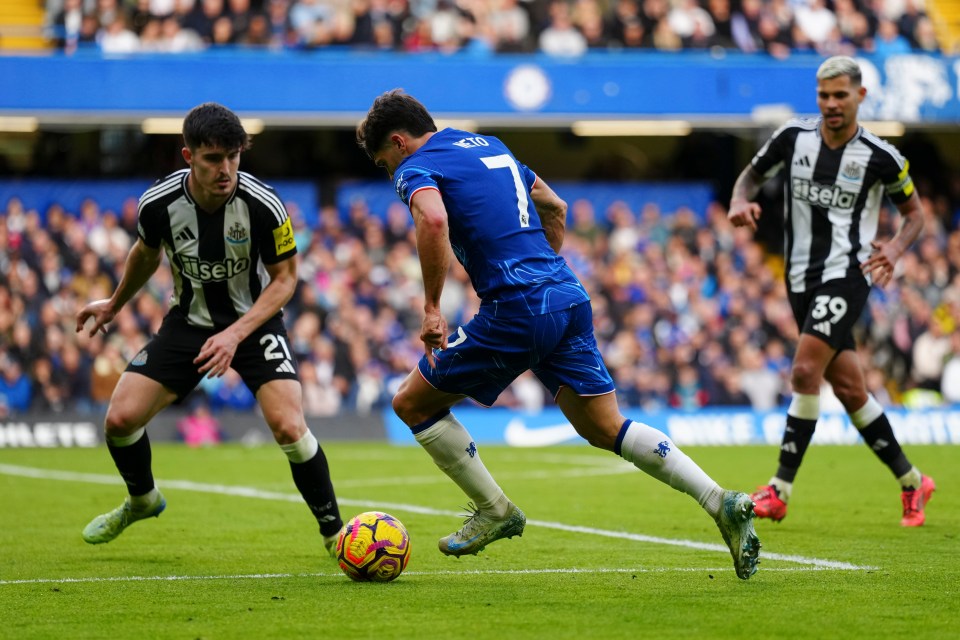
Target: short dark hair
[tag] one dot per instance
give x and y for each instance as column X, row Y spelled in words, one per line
column 392, row 111
column 214, row 125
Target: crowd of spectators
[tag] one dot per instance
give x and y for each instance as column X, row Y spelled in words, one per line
column 480, row 27
column 689, row 311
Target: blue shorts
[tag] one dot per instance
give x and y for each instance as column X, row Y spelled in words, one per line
column 485, row 355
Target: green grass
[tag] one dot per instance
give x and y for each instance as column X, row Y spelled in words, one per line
column 221, row 565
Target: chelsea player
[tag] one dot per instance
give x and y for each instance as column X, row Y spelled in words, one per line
column 506, row 227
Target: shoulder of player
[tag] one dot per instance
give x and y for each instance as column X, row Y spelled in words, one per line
column 163, row 190
column 260, row 196
column 880, row 145
column 795, row 126
column 418, row 165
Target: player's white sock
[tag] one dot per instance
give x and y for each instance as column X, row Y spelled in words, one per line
column 783, row 488
column 303, row 449
column 146, row 501
column 654, row 453
column 911, row 480
column 453, row 450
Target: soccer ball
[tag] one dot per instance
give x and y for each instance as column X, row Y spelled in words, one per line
column 373, row 547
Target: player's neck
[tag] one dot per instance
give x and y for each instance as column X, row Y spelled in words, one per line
column 414, row 144
column 840, row 137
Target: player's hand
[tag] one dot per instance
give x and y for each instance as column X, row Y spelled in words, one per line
column 879, row 266
column 744, row 213
column 217, row 354
column 433, row 333
column 102, row 313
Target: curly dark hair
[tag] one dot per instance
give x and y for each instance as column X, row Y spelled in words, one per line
column 392, row 111
column 214, row 125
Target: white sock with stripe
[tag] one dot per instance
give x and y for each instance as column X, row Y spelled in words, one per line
column 654, row 453
column 453, row 450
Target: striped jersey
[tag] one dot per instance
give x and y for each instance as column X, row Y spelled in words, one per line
column 832, row 196
column 217, row 258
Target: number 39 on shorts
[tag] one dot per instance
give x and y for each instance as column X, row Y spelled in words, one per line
column 833, row 305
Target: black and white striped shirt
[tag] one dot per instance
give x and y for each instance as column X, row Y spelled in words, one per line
column 217, row 258
column 833, row 198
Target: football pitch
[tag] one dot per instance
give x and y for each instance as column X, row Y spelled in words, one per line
column 608, row 552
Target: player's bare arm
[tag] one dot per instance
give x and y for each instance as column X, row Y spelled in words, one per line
column 743, row 211
column 217, row 352
column 552, row 210
column 142, row 261
column 433, row 246
column 883, row 259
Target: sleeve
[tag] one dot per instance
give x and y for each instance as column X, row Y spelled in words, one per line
column 529, row 177
column 413, row 178
column 277, row 240
column 149, row 224
column 772, row 155
column 895, row 174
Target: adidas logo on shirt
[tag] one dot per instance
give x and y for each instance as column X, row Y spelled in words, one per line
column 185, row 235
column 802, row 162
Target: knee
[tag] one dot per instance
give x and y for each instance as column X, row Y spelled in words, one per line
column 851, row 396
column 287, row 426
column 805, row 377
column 119, row 423
column 599, row 436
column 404, row 408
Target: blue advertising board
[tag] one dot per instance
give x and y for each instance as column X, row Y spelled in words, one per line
column 733, row 426
column 327, row 86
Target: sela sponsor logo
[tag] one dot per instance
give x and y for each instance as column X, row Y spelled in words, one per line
column 204, row 271
column 48, row 434
column 518, row 434
column 823, row 195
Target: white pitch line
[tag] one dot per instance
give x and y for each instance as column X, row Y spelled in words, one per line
column 339, row 574
column 250, row 492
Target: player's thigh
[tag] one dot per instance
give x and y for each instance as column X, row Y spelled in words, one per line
column 136, row 399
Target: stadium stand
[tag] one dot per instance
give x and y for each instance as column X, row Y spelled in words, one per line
column 690, row 312
column 556, row 27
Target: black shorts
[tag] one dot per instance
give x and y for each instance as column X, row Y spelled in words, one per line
column 830, row 310
column 168, row 358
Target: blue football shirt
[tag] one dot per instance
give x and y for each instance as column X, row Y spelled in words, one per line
column 495, row 231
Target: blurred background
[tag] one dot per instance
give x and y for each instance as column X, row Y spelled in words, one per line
column 640, row 113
